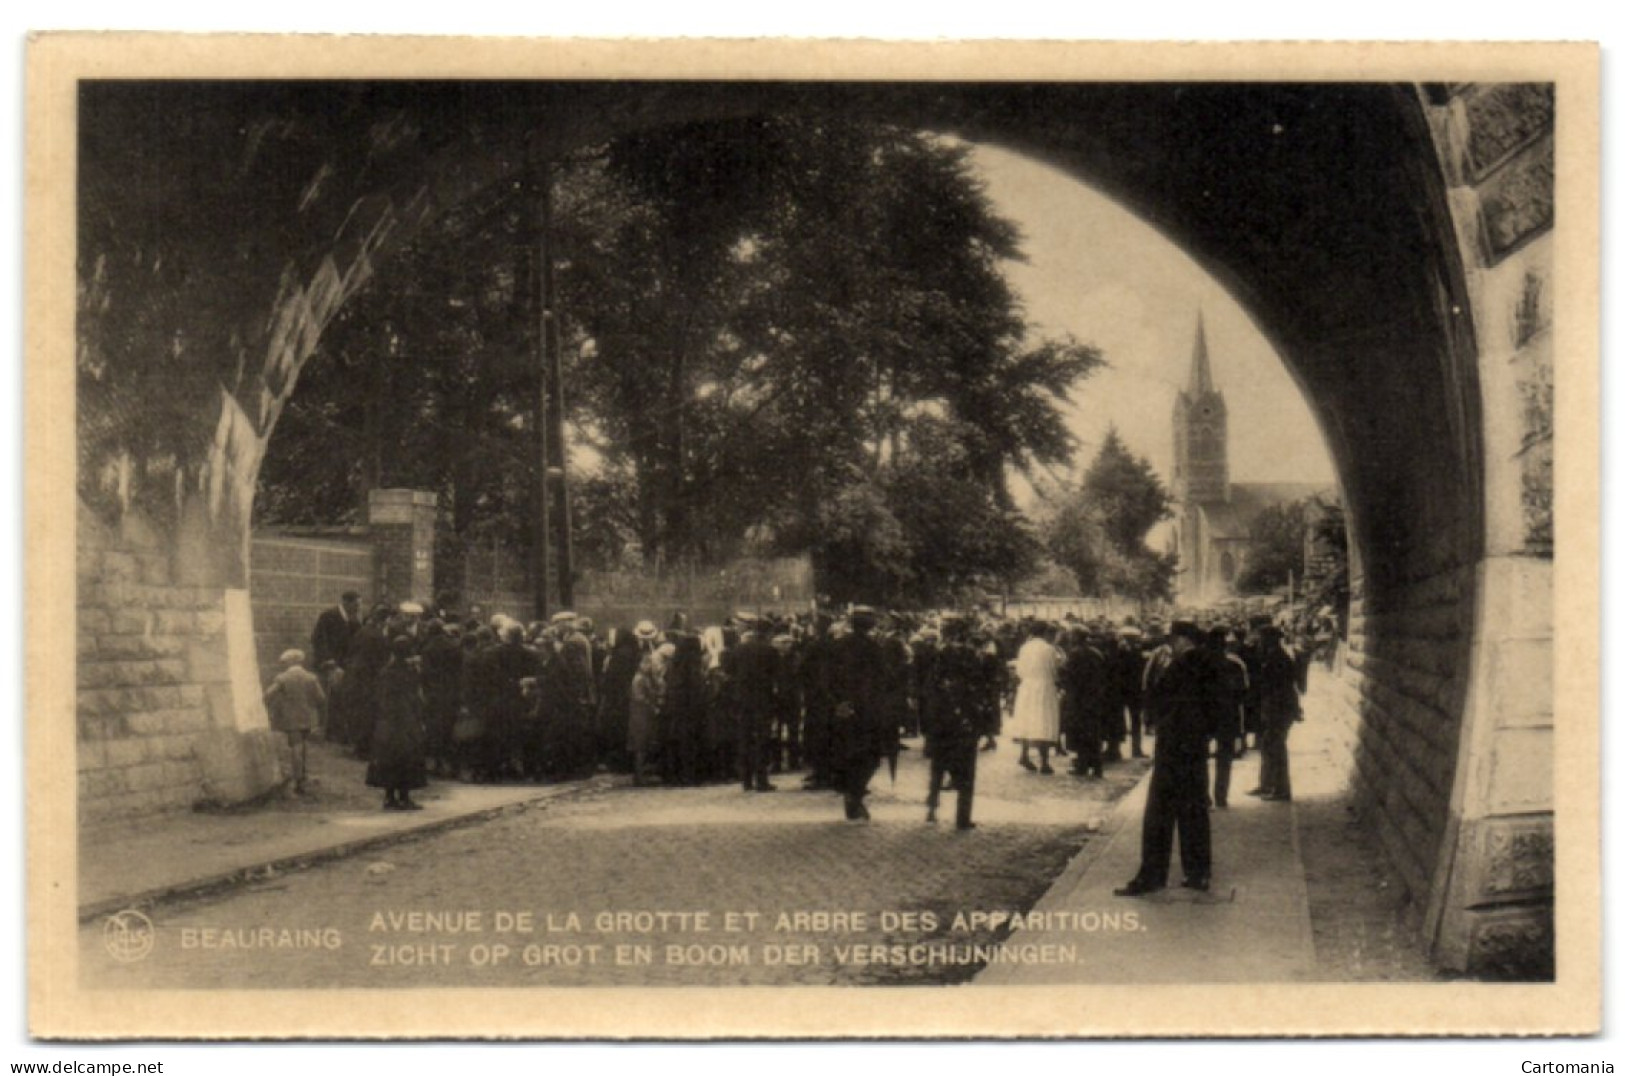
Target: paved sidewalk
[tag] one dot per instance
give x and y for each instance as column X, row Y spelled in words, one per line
column 191, row 853
column 1252, row 927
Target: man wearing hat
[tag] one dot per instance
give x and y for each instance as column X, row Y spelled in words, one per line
column 441, row 661
column 755, row 675
column 330, row 640
column 951, row 719
column 1127, row 667
column 573, row 695
column 1089, row 693
column 1184, row 701
column 1278, row 710
column 368, row 654
column 861, row 712
column 815, row 677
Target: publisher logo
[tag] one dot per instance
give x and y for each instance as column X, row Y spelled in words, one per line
column 129, row 936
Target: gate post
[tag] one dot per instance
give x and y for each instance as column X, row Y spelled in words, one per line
column 402, row 525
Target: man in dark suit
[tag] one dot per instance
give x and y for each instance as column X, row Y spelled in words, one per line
column 1183, row 700
column 1090, row 693
column 817, row 690
column 368, row 653
column 330, row 641
column 330, row 649
column 442, row 679
column 862, row 710
column 754, row 673
column 952, row 720
column 1279, row 686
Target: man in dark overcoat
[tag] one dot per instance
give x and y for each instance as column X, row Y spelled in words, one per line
column 952, row 720
column 329, row 651
column 368, row 654
column 1183, row 701
column 754, row 673
column 818, row 701
column 441, row 658
column 1234, row 681
column 1278, row 710
column 990, row 686
column 573, row 698
column 861, row 686
column 895, row 652
column 474, row 733
column 335, row 627
column 788, row 750
column 923, row 651
column 1127, row 668
column 1089, row 689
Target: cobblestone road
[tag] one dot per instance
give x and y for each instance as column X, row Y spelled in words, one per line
column 756, row 889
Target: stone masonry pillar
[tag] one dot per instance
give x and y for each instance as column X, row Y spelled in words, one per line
column 402, row 525
column 1491, row 910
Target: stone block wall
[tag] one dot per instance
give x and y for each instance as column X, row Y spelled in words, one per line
column 154, row 684
column 1491, row 895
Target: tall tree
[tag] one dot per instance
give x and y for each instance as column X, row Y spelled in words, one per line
column 767, row 323
column 1097, row 528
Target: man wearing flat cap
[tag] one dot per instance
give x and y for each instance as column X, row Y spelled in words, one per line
column 1184, row 700
column 294, row 702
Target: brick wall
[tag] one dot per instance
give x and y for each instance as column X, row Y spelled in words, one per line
column 293, row 578
column 1407, row 660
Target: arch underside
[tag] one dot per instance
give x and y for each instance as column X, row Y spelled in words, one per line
column 1321, row 207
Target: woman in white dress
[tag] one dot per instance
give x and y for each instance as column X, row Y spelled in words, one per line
column 1036, row 721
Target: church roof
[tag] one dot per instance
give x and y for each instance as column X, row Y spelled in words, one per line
column 1254, row 497
column 1234, row 518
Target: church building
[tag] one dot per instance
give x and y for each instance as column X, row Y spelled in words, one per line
column 1213, row 516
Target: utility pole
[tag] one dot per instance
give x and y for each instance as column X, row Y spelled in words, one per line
column 554, row 380
column 538, row 300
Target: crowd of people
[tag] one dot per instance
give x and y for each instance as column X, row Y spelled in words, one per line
column 423, row 692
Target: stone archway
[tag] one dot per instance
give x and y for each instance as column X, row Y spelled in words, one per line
column 1393, row 241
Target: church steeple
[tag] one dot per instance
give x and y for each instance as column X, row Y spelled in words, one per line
column 1201, row 431
column 1201, row 379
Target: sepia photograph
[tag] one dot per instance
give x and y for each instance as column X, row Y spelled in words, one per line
column 586, row 540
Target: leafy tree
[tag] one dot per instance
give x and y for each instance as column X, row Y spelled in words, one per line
column 1129, row 496
column 424, row 380
column 777, row 334
column 1276, row 554
column 1327, row 582
column 1097, row 529
column 961, row 538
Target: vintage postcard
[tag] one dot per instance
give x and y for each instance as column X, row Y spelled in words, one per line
column 573, row 539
